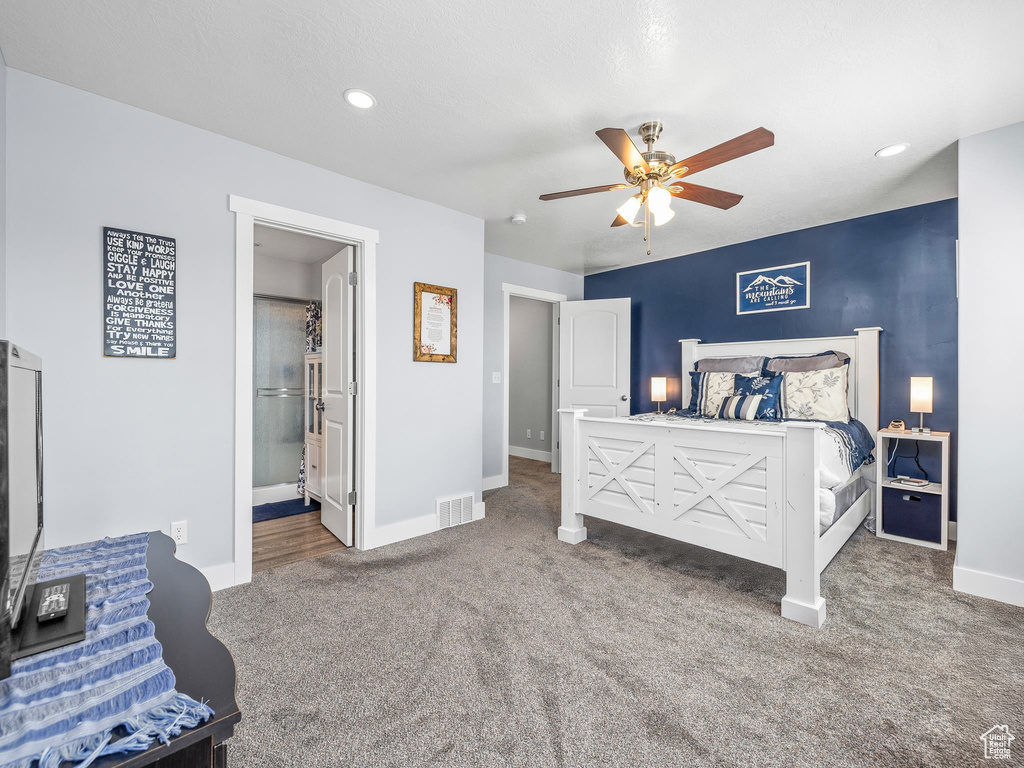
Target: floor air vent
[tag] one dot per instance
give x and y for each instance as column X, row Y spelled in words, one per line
column 454, row 510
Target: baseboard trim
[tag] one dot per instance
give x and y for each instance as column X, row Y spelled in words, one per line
column 478, row 510
column 270, row 494
column 219, row 576
column 400, row 531
column 495, row 481
column 529, row 453
column 988, row 585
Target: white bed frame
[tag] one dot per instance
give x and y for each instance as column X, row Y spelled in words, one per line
column 747, row 492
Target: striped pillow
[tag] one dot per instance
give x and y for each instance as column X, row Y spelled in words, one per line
column 708, row 390
column 740, row 407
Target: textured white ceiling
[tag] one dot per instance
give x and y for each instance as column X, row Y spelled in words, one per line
column 293, row 246
column 482, row 106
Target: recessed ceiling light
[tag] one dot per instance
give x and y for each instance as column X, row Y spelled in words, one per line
column 359, row 99
column 892, row 149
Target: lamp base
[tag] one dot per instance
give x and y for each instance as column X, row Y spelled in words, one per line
column 922, row 429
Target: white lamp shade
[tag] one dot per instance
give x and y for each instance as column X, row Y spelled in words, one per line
column 629, row 208
column 659, row 201
column 659, row 389
column 921, row 394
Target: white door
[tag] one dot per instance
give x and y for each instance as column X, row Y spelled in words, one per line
column 593, row 369
column 336, row 512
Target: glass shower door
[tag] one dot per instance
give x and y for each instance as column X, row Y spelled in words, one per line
column 279, row 343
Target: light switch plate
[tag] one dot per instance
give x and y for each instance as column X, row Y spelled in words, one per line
column 529, row 434
column 496, row 377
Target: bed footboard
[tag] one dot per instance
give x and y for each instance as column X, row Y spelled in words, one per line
column 749, row 493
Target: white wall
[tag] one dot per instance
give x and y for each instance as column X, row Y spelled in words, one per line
column 498, row 270
column 990, row 521
column 529, row 374
column 285, row 279
column 132, row 445
column 3, row 197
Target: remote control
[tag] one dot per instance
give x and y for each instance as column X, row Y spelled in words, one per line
column 54, row 602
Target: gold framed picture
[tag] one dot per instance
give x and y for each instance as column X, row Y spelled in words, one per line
column 435, row 323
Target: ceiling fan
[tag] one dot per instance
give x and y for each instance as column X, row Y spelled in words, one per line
column 651, row 172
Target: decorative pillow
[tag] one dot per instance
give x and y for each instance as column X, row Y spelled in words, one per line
column 820, row 362
column 742, row 407
column 816, row 395
column 748, row 364
column 708, row 390
column 769, row 388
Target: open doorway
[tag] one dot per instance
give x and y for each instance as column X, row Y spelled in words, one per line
column 288, row 424
column 346, row 396
column 530, row 376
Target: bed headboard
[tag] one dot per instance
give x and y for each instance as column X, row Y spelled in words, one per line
column 861, row 347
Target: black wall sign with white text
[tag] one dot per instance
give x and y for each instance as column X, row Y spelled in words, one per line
column 138, row 294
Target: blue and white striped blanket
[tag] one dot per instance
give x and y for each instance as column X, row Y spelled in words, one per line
column 65, row 704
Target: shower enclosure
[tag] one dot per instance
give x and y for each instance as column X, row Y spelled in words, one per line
column 279, row 343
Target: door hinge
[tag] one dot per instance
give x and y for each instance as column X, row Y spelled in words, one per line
column 353, row 388
column 352, row 497
column 353, row 278
column 558, row 444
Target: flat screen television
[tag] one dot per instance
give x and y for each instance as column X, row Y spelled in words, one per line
column 21, row 488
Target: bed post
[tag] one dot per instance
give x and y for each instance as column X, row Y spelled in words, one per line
column 867, row 378
column 803, row 601
column 689, row 358
column 572, row 530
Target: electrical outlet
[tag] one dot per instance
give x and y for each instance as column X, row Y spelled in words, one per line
column 542, row 435
column 496, row 377
column 179, row 532
column 529, row 434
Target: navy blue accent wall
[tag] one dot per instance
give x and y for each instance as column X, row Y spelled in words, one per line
column 896, row 270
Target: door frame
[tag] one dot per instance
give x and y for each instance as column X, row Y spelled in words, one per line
column 364, row 241
column 509, row 290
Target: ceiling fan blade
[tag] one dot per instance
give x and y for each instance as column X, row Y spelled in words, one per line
column 759, row 138
column 585, row 191
column 619, row 222
column 618, row 141
column 706, row 195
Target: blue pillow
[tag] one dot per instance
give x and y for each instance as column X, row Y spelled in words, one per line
column 770, row 390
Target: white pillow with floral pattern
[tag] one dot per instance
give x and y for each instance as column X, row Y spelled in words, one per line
column 816, row 395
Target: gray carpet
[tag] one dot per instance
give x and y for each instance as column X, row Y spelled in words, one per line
column 493, row 644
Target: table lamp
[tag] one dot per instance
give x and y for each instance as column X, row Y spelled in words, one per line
column 921, row 400
column 659, row 390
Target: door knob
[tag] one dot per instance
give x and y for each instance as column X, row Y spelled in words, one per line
column 625, row 397
column 320, row 406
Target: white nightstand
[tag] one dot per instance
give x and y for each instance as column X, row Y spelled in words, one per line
column 940, row 488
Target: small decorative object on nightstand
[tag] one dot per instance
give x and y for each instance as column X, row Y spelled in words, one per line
column 659, row 390
column 921, row 399
column 912, row 494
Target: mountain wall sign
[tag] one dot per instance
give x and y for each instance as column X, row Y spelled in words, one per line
column 774, row 289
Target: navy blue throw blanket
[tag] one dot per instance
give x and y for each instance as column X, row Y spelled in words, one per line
column 64, row 705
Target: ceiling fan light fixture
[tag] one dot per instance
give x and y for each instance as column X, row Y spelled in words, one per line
column 628, row 209
column 663, row 217
column 659, row 202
